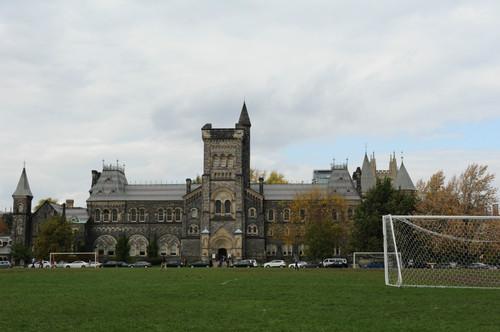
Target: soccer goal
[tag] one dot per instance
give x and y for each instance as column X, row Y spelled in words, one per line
column 64, row 259
column 442, row 251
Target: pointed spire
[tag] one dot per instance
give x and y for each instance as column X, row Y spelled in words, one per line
column 244, row 118
column 367, row 175
column 403, row 180
column 23, row 186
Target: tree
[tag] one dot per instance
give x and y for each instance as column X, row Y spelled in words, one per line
column 4, row 228
column 55, row 235
column 472, row 193
column 380, row 200
column 273, row 178
column 21, row 253
column 319, row 221
column 43, row 200
column 197, row 179
column 123, row 248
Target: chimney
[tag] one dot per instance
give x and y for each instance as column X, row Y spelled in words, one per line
column 70, row 203
column 261, row 185
column 188, row 185
column 495, row 209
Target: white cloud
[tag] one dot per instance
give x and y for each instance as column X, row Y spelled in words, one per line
column 136, row 81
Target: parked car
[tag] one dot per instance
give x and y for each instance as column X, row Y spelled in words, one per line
column 95, row 264
column 114, row 264
column 174, row 262
column 142, row 264
column 374, row 265
column 76, row 265
column 300, row 265
column 45, row 264
column 244, row 263
column 5, row 265
column 199, row 264
column 312, row 265
column 335, row 262
column 275, row 263
column 481, row 266
column 254, row 262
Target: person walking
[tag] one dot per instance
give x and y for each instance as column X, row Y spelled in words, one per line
column 163, row 262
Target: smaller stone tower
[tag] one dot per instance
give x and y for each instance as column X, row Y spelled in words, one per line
column 21, row 227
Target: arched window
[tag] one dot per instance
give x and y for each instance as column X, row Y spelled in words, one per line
column 286, row 215
column 271, row 249
column 252, row 229
column 223, row 160
column 230, row 161
column 170, row 215
column 215, row 160
column 133, row 215
column 97, row 215
column 287, row 250
column 194, row 213
column 193, row 229
column 142, row 215
column 270, row 215
column 178, row 214
column 105, row 215
column 114, row 215
column 218, row 207
column 252, row 213
column 161, row 215
column 227, row 207
column 301, row 249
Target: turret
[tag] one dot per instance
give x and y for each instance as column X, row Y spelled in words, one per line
column 22, row 198
column 245, row 124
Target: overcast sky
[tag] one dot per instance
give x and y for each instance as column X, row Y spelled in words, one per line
column 136, row 80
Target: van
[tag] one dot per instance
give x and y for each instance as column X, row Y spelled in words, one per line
column 335, row 262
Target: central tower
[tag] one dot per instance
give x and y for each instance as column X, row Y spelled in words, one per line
column 226, row 175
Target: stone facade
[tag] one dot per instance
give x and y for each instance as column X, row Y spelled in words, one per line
column 224, row 215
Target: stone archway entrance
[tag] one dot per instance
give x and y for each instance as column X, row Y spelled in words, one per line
column 221, row 253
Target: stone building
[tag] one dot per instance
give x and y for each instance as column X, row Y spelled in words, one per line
column 224, row 215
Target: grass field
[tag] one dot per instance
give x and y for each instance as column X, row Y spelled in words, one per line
column 234, row 300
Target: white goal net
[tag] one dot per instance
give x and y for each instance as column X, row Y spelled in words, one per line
column 442, row 251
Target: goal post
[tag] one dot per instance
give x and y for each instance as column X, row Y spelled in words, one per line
column 442, row 251
column 68, row 257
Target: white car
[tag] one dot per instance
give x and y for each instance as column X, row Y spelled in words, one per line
column 76, row 264
column 94, row 264
column 275, row 263
column 45, row 264
column 300, row 265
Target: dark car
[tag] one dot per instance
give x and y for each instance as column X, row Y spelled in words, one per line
column 374, row 265
column 312, row 265
column 114, row 264
column 243, row 263
column 174, row 262
column 199, row 264
column 142, row 264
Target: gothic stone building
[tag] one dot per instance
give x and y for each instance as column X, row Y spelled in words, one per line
column 224, row 215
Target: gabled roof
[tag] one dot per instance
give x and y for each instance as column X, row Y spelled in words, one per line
column 340, row 182
column 244, row 118
column 403, row 180
column 23, row 186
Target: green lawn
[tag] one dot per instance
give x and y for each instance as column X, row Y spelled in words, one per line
column 234, row 300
